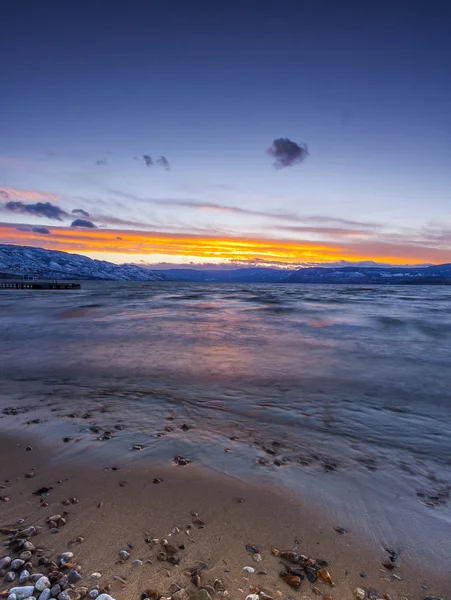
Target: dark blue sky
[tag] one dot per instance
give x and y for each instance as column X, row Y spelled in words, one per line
column 209, row 85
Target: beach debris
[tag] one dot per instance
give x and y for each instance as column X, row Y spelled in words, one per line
column 290, row 556
column 275, row 551
column 340, row 530
column 43, row 491
column 324, row 576
column 392, row 554
column 292, row 580
column 181, row 461
column 249, row 570
column 316, row 591
column 359, row 594
column 257, row 557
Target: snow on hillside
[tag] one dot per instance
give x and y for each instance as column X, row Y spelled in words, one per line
column 51, row 264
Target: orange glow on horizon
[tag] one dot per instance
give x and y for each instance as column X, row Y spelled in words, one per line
column 127, row 243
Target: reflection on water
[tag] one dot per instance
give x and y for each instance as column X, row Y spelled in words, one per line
column 346, row 378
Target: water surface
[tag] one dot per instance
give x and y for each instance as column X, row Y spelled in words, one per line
column 342, row 392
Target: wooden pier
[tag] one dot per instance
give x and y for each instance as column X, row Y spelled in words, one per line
column 34, row 284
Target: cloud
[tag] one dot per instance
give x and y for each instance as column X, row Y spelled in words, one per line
column 329, row 231
column 80, row 211
column 224, row 248
column 287, row 153
column 39, row 209
column 41, row 230
column 83, row 223
column 26, row 195
column 163, row 162
column 101, row 162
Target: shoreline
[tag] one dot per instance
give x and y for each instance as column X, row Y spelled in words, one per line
column 124, row 506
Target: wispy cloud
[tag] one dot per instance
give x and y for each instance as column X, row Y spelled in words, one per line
column 227, row 248
column 81, row 212
column 26, row 195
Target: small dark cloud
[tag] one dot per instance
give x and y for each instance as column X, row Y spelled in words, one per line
column 101, row 162
column 148, row 160
column 39, row 209
column 83, row 223
column 287, row 153
column 41, row 230
column 80, row 211
column 163, row 162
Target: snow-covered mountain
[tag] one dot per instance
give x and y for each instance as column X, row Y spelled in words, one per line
column 52, row 264
column 435, row 274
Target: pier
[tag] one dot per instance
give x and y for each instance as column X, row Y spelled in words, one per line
column 32, row 284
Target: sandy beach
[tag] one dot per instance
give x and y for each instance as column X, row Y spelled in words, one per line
column 208, row 519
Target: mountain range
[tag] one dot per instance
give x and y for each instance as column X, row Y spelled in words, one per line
column 52, row 264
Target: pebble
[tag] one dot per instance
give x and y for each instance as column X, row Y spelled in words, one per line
column 24, row 576
column 253, row 597
column 5, row 562
column 45, row 594
column 25, row 555
column 257, row 557
column 180, row 595
column 12, row 597
column 124, row 554
column 35, row 577
column 249, row 570
column 66, row 557
column 105, row 597
column 292, row 580
column 74, row 577
column 29, row 546
column 96, row 575
column 10, row 576
column 22, row 592
column 64, row 596
column 42, row 583
column 359, row 594
column 55, row 590
column 17, row 564
column 203, row 595
column 93, row 593
column 137, row 563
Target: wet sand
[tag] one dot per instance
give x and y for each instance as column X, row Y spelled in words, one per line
column 120, row 508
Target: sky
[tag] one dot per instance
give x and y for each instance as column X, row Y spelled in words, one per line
column 295, row 133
